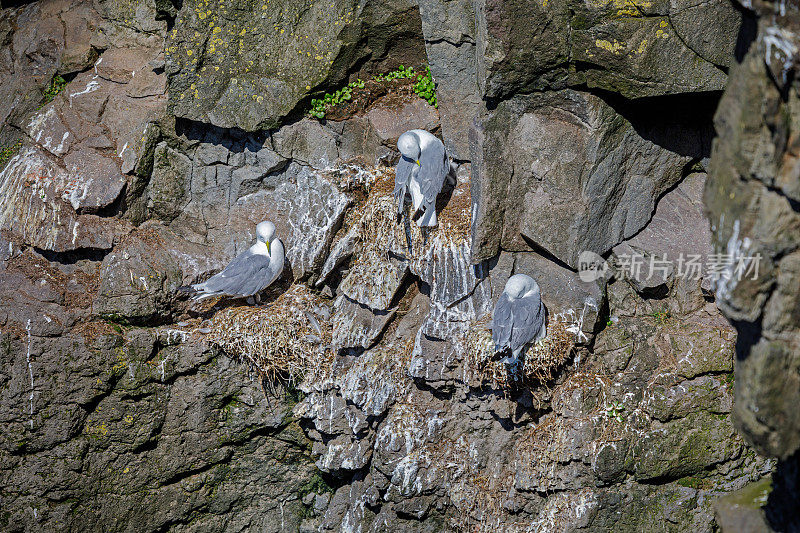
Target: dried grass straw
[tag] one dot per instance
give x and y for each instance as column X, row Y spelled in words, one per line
column 280, row 340
column 542, row 361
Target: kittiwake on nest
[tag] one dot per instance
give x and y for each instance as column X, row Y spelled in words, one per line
column 518, row 320
column 421, row 173
column 250, row 272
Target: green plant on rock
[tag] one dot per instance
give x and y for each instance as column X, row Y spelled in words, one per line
column 614, row 411
column 319, row 106
column 402, row 73
column 662, row 316
column 57, row 85
column 423, row 86
column 7, row 152
column 426, row 88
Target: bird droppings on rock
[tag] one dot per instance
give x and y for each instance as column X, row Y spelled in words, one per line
column 120, row 399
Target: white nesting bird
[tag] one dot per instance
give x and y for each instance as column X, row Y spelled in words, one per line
column 250, row 272
column 519, row 318
column 421, row 172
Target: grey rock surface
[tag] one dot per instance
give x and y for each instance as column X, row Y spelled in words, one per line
column 675, row 247
column 633, row 49
column 752, row 204
column 590, row 123
column 251, row 72
column 567, row 173
column 109, row 426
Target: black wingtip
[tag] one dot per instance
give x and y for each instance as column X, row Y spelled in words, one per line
column 185, row 289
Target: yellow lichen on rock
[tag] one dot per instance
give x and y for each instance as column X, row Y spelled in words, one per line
column 613, row 46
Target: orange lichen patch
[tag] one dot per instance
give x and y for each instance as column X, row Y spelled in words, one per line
column 284, row 340
column 543, row 360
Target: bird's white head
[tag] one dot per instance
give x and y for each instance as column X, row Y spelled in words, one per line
column 520, row 285
column 265, row 232
column 408, row 144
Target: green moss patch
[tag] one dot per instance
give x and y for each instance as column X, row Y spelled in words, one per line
column 358, row 94
column 7, row 152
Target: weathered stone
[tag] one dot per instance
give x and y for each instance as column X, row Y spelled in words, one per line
column 94, row 181
column 683, row 448
column 38, row 42
column 169, row 183
column 589, row 179
column 374, row 281
column 163, row 433
column 251, row 72
column 630, row 49
column 357, row 325
column 681, row 400
column 751, row 199
column 38, row 201
column 676, row 237
column 139, row 278
column 742, row 510
column 309, row 142
column 449, row 29
column 391, row 121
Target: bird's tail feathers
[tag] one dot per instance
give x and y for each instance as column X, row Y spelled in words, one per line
column 499, row 352
column 203, row 295
column 428, row 218
column 196, row 292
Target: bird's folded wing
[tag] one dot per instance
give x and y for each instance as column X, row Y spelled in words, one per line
column 242, row 276
column 433, row 171
column 528, row 320
column 502, row 322
column 402, row 173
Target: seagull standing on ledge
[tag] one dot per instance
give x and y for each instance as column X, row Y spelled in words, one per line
column 250, row 272
column 519, row 319
column 421, row 172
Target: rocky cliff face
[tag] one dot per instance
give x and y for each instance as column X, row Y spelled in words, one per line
column 752, row 201
column 578, row 126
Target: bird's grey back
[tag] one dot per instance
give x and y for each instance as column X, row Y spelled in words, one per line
column 246, row 275
column 517, row 322
column 502, row 322
column 435, row 167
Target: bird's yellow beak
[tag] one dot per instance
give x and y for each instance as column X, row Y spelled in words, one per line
column 268, row 250
column 418, row 162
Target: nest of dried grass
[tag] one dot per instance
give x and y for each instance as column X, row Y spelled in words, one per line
column 285, row 341
column 380, row 229
column 543, row 360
